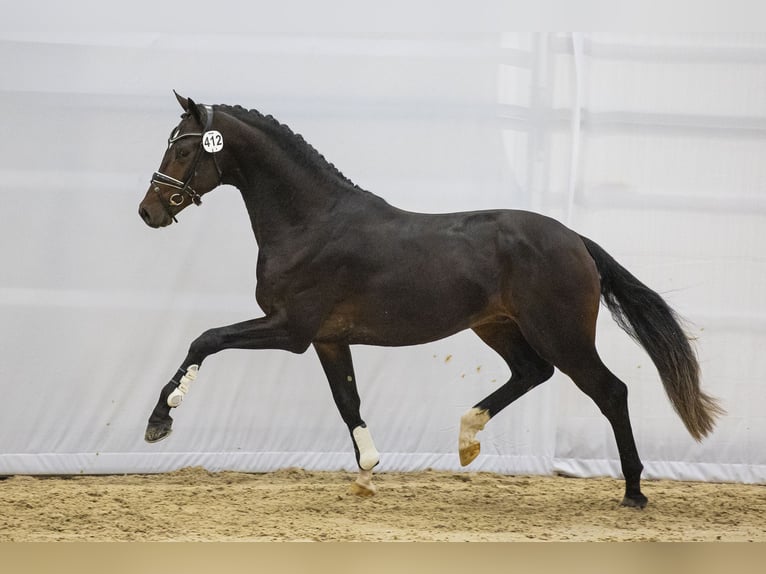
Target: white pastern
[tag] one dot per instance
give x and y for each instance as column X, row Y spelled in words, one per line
column 363, row 486
column 365, row 481
column 368, row 454
column 470, row 423
column 177, row 396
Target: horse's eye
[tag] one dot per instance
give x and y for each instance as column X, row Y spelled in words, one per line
column 182, row 153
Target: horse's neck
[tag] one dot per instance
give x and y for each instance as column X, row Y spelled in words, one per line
column 278, row 209
column 283, row 195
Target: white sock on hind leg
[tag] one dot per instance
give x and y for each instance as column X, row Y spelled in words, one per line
column 471, row 423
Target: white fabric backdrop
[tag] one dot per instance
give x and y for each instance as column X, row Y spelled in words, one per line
column 652, row 146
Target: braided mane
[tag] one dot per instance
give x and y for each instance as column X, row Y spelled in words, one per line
column 294, row 142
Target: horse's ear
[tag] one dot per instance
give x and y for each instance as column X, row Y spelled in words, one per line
column 194, row 110
column 189, row 106
column 183, row 101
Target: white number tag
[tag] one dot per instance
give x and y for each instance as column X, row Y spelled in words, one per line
column 212, row 141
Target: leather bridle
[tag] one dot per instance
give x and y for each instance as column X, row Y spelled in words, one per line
column 184, row 187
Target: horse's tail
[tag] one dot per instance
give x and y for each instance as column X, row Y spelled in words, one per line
column 650, row 321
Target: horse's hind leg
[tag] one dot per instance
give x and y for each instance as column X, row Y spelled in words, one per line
column 337, row 365
column 528, row 370
column 567, row 341
column 611, row 396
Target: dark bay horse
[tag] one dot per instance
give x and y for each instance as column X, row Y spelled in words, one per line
column 338, row 266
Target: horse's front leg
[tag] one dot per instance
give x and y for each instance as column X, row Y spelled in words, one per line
column 337, row 365
column 271, row 332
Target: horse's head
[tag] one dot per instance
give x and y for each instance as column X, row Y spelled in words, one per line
column 188, row 169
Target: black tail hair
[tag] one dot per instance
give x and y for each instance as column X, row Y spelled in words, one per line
column 649, row 320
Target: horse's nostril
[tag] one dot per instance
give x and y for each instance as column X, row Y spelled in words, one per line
column 144, row 213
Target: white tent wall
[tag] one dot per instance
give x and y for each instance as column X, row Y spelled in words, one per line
column 669, row 181
column 648, row 145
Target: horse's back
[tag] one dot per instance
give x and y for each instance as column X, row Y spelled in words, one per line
column 420, row 277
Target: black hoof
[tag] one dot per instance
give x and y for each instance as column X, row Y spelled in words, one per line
column 155, row 432
column 634, row 501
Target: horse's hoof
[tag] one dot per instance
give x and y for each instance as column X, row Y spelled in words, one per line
column 469, row 453
column 155, row 432
column 470, row 423
column 361, row 489
column 634, row 501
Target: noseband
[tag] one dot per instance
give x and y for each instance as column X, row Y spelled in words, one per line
column 184, row 187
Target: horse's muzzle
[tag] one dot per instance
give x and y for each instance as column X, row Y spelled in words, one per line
column 154, row 218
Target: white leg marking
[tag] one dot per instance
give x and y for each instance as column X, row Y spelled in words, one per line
column 368, row 454
column 365, row 479
column 470, row 423
column 363, row 486
column 177, row 396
